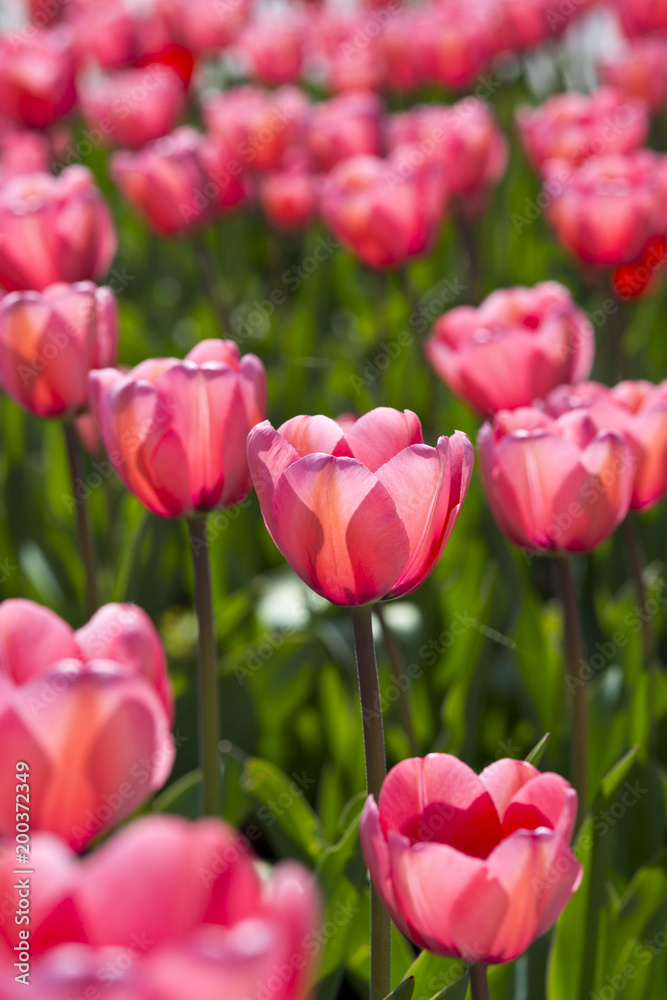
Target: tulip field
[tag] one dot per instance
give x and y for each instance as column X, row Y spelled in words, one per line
column 333, row 541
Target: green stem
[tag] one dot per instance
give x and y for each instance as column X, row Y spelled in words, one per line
column 635, row 560
column 207, row 680
column 479, row 983
column 376, row 769
column 208, row 266
column 469, row 243
column 399, row 674
column 574, row 650
column 83, row 523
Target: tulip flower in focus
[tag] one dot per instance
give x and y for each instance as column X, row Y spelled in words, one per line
column 605, row 211
column 555, row 484
column 135, row 106
column 288, row 195
column 166, row 908
column 51, row 340
column 384, row 211
column 54, row 229
column 166, row 182
column 639, row 70
column 36, row 77
column 360, row 512
column 343, row 127
column 574, row 127
column 517, row 346
column 464, row 138
column 472, row 866
column 176, row 431
column 256, row 125
column 639, row 411
column 90, row 713
column 273, row 49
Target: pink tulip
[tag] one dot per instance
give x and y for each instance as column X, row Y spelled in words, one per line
column 203, row 26
column 227, row 183
column 457, row 41
column 256, row 125
column 36, row 77
column 384, row 211
column 176, row 431
column 343, row 127
column 22, row 152
column 361, row 512
column 273, row 48
column 51, row 340
column 54, row 229
column 639, row 70
column 404, row 47
column 168, row 909
column 89, row 711
column 639, row 411
column 104, row 33
column 166, row 182
column 530, row 22
column 472, row 866
column 288, row 195
column 514, row 348
column 575, row 127
column 606, row 210
column 464, row 138
column 555, row 484
column 639, row 17
column 135, row 106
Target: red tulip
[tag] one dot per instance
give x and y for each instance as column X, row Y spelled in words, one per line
column 88, row 711
column 360, row 512
column 36, row 77
column 639, row 411
column 464, row 138
column 473, row 867
column 205, row 27
column 176, row 431
column 555, row 484
column 640, row 277
column 134, row 106
column 54, row 229
column 514, row 348
column 384, row 211
column 639, row 70
column 51, row 340
column 342, row 127
column 256, row 125
column 288, row 195
column 166, row 909
column 606, row 210
column 273, row 48
column 574, row 127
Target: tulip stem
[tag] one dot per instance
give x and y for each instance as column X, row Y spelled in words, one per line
column 399, row 674
column 208, row 266
column 376, row 770
column 83, row 523
column 479, row 983
column 574, row 654
column 207, row 679
column 635, row 560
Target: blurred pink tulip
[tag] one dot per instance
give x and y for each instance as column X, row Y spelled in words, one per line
column 473, row 867
column 288, row 195
column 51, row 340
column 575, row 127
column 168, row 909
column 22, row 152
column 166, row 182
column 514, row 348
column 343, row 127
column 89, row 711
column 404, row 48
column 639, row 17
column 606, row 210
column 104, row 33
column 135, row 106
column 203, row 26
column 457, row 42
column 530, row 22
column 639, row 70
column 639, row 411
column 273, row 48
column 464, row 138
column 256, row 125
column 227, row 184
column 555, row 484
column 54, row 229
column 36, row 76
column 361, row 512
column 384, row 211
column 175, row 431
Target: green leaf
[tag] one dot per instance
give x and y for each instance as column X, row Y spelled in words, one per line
column 183, row 797
column 404, row 991
column 439, row 977
column 536, row 754
column 282, row 801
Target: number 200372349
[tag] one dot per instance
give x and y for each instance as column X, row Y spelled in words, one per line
column 22, row 812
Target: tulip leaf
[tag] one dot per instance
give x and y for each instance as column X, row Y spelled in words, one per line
column 439, row 977
column 404, row 991
column 536, row 754
column 283, row 802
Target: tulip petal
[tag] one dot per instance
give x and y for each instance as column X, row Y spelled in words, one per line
column 312, row 435
column 376, row 855
column 269, row 454
column 504, row 779
column 378, row 436
column 32, row 639
column 548, row 800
